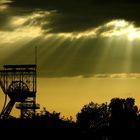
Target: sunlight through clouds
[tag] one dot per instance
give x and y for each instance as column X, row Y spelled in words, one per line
column 134, row 34
column 20, row 34
column 114, row 28
column 38, row 18
column 34, row 23
column 24, row 27
column 117, row 23
column 117, row 28
column 108, row 48
column 3, row 4
column 18, row 21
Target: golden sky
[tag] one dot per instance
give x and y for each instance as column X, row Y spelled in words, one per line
column 68, row 95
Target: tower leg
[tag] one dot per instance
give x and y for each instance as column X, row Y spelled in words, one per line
column 6, row 111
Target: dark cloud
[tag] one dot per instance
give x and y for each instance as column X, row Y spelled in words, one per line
column 79, row 15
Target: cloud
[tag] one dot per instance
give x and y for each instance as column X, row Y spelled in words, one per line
column 4, row 5
column 118, row 75
column 4, row 2
column 79, row 15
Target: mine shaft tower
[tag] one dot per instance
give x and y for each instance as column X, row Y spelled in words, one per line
column 19, row 83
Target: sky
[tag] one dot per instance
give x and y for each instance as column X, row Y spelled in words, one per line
column 87, row 50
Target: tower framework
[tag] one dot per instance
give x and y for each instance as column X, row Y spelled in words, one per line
column 19, row 83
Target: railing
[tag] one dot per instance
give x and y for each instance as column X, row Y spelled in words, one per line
column 27, row 106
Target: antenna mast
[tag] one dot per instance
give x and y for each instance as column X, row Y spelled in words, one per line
column 36, row 55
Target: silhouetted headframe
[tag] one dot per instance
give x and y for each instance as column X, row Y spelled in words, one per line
column 18, row 82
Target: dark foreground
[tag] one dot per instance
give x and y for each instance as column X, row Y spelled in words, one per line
column 120, row 120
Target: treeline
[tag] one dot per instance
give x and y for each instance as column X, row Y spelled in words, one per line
column 118, row 120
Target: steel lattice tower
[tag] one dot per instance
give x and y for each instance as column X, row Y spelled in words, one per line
column 19, row 83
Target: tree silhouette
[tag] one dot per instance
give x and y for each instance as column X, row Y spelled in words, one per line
column 118, row 120
column 94, row 120
column 123, row 118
